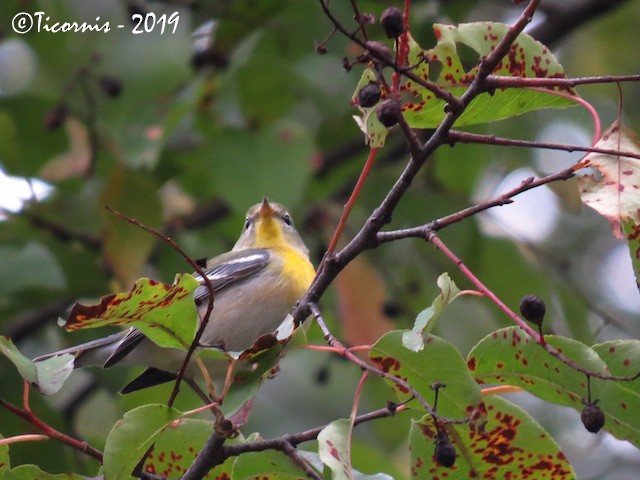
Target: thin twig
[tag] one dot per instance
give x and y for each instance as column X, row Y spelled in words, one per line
column 440, row 245
column 207, row 283
column 401, row 383
column 457, row 136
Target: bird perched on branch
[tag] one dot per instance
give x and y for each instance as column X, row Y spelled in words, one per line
column 255, row 285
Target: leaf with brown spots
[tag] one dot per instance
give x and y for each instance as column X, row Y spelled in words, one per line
column 510, row 357
column 623, row 359
column 164, row 313
column 526, row 58
column 178, row 445
column 267, row 465
column 614, row 191
column 334, row 448
column 132, row 436
column 375, row 133
column 438, row 361
column 513, row 446
column 33, row 472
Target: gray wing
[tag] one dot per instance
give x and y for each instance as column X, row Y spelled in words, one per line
column 228, row 268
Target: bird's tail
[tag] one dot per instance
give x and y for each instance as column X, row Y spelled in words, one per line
column 93, row 353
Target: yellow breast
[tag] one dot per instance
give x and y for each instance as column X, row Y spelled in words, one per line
column 297, row 270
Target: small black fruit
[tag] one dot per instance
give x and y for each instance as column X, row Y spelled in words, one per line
column 444, row 452
column 592, row 417
column 368, row 95
column 533, row 309
column 389, row 112
column 392, row 22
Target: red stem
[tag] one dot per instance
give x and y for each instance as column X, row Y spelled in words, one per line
column 352, row 200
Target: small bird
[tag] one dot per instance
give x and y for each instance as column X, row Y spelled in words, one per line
column 255, row 284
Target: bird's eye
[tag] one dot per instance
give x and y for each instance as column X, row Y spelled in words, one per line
column 247, row 223
column 286, row 218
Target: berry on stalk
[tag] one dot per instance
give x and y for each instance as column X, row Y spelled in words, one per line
column 533, row 309
column 389, row 111
column 444, row 452
column 592, row 417
column 369, row 95
column 392, row 22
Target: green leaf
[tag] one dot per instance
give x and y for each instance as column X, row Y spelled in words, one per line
column 127, row 247
column 509, row 356
column 623, row 359
column 19, row 265
column 47, row 376
column 438, row 361
column 427, row 319
column 526, row 58
column 276, row 159
column 267, row 465
column 5, row 462
column 334, row 448
column 164, row 313
column 132, row 436
column 177, row 446
column 32, row 472
column 513, row 445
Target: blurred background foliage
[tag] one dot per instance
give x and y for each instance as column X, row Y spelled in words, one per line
column 184, row 132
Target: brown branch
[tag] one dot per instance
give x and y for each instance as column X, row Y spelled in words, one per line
column 456, row 136
column 215, row 452
column 331, row 265
column 500, row 81
column 345, row 352
column 58, row 230
column 207, row 282
column 384, row 61
column 26, row 414
column 440, row 245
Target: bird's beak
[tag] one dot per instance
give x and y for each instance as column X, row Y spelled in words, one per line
column 266, row 210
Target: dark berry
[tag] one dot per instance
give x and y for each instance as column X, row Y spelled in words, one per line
column 444, row 452
column 392, row 22
column 322, row 375
column 379, row 50
column 321, row 48
column 111, row 86
column 55, row 117
column 389, row 112
column 533, row 309
column 592, row 417
column 369, row 95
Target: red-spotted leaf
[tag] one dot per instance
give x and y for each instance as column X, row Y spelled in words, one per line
column 614, row 191
column 509, row 356
column 334, row 448
column 375, row 133
column 526, row 58
column 33, row 472
column 132, row 436
column 623, row 359
column 438, row 361
column 267, row 465
column 47, row 376
column 164, row 313
column 177, row 446
column 513, row 445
